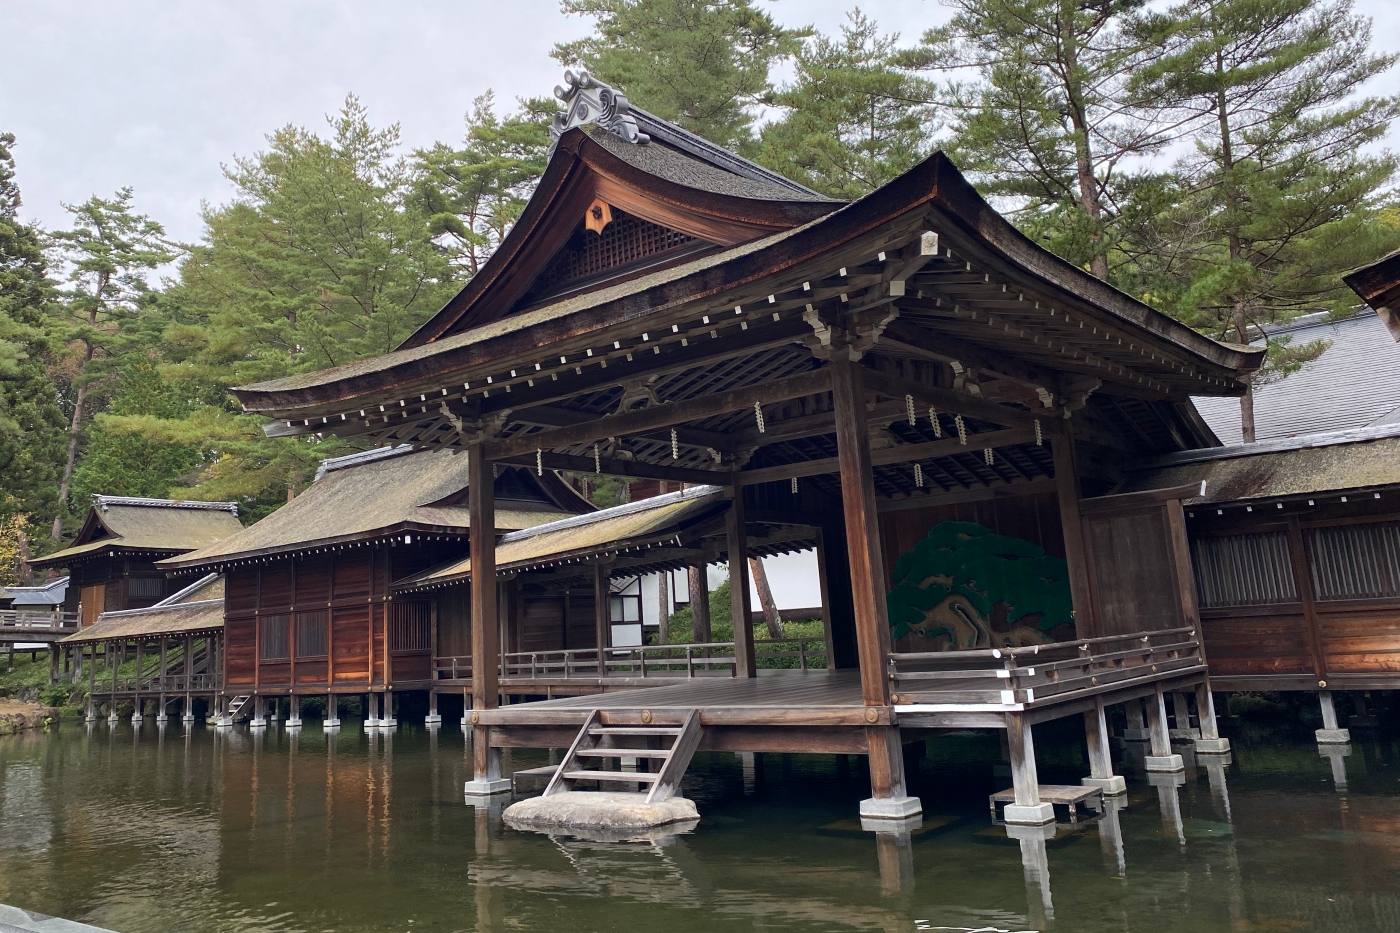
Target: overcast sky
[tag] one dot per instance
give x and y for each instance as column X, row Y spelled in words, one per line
column 157, row 94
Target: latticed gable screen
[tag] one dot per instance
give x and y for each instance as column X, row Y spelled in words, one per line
column 1244, row 570
column 1356, row 561
column 623, row 243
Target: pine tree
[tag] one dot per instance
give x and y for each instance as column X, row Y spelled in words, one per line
column 1280, row 196
column 31, row 422
column 108, row 256
column 853, row 118
column 703, row 64
column 323, row 258
column 471, row 195
column 1048, row 120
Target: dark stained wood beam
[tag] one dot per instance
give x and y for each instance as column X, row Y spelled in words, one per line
column 664, row 415
column 1072, row 526
column 903, row 337
column 936, row 498
column 900, row 453
column 636, row 469
column 550, row 416
column 485, row 621
column 948, row 401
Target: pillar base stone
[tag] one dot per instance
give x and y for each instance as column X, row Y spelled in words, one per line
column 258, row 723
column 136, row 719
column 890, row 808
column 1333, row 736
column 487, row 787
column 1212, row 746
column 161, row 717
column 293, row 722
column 1112, row 786
column 1164, row 763
column 371, row 723
column 188, row 717
column 431, row 718
column 1037, row 815
column 387, row 723
column 330, row 724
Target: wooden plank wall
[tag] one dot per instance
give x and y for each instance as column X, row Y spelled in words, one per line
column 1309, row 637
column 1130, row 571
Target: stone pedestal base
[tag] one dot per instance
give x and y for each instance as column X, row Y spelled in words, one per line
column 890, row 808
column 371, row 723
column 1112, row 786
column 293, row 722
column 487, row 787
column 161, row 717
column 1038, row 815
column 136, row 719
column 1333, row 736
column 1212, row 746
column 387, row 723
column 1164, row 763
column 330, row 724
column 188, row 717
column 258, row 723
column 431, row 719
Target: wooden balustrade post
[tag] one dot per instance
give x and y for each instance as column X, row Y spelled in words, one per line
column 1161, row 757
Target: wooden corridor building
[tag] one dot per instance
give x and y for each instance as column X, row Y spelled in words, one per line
column 666, row 309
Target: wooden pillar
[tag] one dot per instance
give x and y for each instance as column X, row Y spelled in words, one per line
column 1331, row 732
column 136, row 682
column 1072, row 527
column 602, row 616
column 485, row 620
column 1025, row 780
column 1210, row 741
column 1100, row 757
column 698, row 581
column 1160, row 747
column 838, row 612
column 53, row 662
column 739, row 612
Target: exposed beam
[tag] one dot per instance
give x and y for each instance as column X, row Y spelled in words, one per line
column 550, row 416
column 664, row 415
column 947, row 349
column 946, row 400
column 899, row 453
column 937, row 498
column 636, row 469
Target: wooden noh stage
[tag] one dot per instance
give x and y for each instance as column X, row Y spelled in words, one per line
column 950, row 407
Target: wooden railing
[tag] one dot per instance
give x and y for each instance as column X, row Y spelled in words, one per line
column 686, row 660
column 1043, row 674
column 38, row 620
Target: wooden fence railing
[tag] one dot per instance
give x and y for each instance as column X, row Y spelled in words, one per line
column 1043, row 674
column 687, row 660
column 38, row 620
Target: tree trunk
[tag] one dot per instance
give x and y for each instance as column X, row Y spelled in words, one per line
column 26, row 573
column 765, row 598
column 663, row 607
column 75, row 430
column 699, row 604
column 1089, row 201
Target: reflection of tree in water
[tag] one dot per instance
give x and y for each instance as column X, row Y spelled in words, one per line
column 965, row 586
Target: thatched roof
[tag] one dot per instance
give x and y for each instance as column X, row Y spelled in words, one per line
column 382, row 493
column 197, row 608
column 1362, row 460
column 636, row 525
column 138, row 524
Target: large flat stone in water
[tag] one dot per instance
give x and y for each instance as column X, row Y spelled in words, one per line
column 599, row 812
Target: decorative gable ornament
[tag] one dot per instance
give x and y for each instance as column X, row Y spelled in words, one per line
column 588, row 100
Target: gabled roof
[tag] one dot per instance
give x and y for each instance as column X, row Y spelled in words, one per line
column 127, row 523
column 199, row 607
column 1379, row 286
column 633, row 526
column 382, row 493
column 1355, row 382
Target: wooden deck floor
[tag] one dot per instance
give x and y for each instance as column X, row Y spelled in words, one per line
column 769, row 690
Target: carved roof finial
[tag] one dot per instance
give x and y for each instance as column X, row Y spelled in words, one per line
column 588, row 100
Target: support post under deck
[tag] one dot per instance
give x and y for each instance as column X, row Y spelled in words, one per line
column 485, row 622
column 1210, row 742
column 332, row 720
column 1331, row 732
column 1161, row 757
column 1028, row 810
column 1100, row 758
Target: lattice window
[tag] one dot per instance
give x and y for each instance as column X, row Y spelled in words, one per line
column 1356, row 561
column 152, row 588
column 273, row 642
column 1244, row 570
column 312, row 634
column 410, row 627
column 625, row 241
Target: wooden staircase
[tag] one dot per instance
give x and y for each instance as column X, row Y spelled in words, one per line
column 238, row 708
column 598, row 750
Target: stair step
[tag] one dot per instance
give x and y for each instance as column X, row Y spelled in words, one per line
column 620, row 777
column 661, row 753
column 635, row 730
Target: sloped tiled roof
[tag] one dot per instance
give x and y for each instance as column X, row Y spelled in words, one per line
column 368, row 495
column 1355, row 382
column 199, row 607
column 45, row 594
column 129, row 523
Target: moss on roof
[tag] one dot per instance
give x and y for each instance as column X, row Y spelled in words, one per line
column 148, row 524
column 416, row 489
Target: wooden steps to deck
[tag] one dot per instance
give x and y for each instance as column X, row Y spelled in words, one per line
column 664, row 751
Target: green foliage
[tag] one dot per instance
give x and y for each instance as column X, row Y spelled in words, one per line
column 472, row 194
column 853, row 120
column 704, row 64
column 998, row 575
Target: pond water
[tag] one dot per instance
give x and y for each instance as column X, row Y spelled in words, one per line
column 196, row 830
